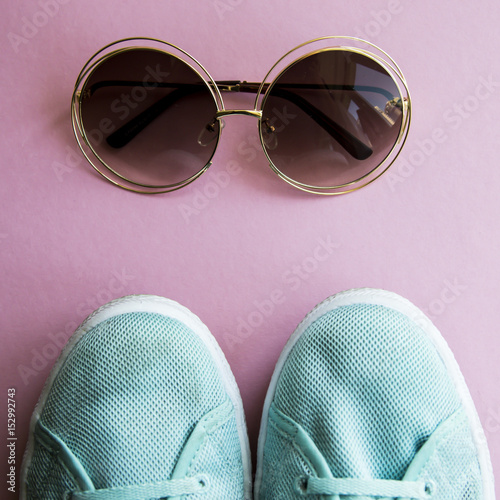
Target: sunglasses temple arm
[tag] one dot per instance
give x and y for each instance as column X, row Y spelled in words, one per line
column 132, row 83
column 122, row 136
column 129, row 130
column 253, row 87
column 356, row 148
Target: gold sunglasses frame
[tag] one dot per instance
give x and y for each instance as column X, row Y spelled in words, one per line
column 262, row 90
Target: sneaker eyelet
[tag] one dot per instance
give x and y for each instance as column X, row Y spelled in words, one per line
column 301, row 485
column 429, row 488
column 203, row 482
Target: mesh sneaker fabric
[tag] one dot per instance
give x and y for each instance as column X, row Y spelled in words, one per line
column 220, row 459
column 48, row 475
column 126, row 399
column 454, row 466
column 368, row 387
column 280, row 449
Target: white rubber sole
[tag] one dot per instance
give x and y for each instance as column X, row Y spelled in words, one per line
column 393, row 301
column 171, row 309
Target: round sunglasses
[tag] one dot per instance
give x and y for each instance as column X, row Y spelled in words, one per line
column 333, row 114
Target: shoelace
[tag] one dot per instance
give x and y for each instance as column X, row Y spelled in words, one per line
column 365, row 488
column 170, row 488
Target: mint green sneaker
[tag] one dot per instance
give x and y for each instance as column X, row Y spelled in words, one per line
column 140, row 405
column 367, row 401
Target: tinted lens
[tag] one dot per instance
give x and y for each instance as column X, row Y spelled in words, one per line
column 331, row 118
column 150, row 117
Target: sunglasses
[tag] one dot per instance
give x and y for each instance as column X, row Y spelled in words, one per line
column 333, row 114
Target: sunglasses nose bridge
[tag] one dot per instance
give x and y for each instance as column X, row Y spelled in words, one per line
column 246, row 112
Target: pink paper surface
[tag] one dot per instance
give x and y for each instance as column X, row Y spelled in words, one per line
column 428, row 230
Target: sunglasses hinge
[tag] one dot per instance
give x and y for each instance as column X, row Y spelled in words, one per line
column 229, row 86
column 238, row 86
column 85, row 94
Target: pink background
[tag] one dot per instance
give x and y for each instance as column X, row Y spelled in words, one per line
column 70, row 241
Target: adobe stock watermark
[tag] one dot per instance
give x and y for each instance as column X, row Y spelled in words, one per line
column 490, row 426
column 450, row 292
column 72, row 159
column 292, row 280
column 248, row 149
column 201, row 199
column 379, row 20
column 278, row 120
column 32, row 24
column 453, row 118
column 222, row 7
column 41, row 357
column 120, row 109
column 492, row 421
